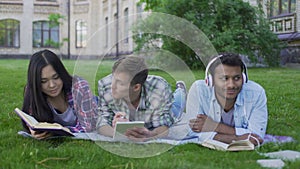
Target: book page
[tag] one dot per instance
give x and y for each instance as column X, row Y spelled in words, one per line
column 55, row 128
column 214, row 144
column 48, row 125
column 241, row 145
column 31, row 121
column 234, row 146
column 51, row 126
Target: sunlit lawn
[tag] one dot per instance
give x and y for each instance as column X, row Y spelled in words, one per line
column 281, row 85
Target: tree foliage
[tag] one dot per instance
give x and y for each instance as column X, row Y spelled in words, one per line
column 55, row 19
column 230, row 25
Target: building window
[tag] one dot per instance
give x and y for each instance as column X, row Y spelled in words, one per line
column 116, row 30
column 139, row 9
column 9, row 33
column 81, row 0
column 45, row 34
column 46, row 0
column 278, row 7
column 81, row 34
column 106, row 31
column 126, row 25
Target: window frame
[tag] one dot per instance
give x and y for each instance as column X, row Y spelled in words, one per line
column 46, row 31
column 276, row 7
column 106, row 32
column 11, row 33
column 80, row 34
column 126, row 25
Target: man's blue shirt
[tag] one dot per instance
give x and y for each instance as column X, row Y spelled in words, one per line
column 250, row 109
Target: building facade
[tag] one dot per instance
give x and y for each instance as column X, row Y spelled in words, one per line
column 284, row 16
column 97, row 28
column 285, row 22
column 71, row 28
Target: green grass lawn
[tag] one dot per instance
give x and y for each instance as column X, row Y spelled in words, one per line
column 281, row 85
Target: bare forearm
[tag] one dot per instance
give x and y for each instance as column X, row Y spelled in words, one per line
column 106, row 131
column 225, row 129
column 226, row 138
column 203, row 123
column 225, row 133
column 159, row 132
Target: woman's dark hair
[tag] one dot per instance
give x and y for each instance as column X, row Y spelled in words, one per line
column 35, row 101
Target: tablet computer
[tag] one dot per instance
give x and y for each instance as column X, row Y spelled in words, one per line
column 121, row 128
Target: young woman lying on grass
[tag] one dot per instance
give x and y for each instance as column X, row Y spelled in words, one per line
column 52, row 95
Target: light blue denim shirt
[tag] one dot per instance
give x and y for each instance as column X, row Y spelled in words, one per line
column 250, row 110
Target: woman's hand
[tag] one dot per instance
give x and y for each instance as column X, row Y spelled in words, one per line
column 39, row 135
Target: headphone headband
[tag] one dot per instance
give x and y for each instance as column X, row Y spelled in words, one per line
column 210, row 63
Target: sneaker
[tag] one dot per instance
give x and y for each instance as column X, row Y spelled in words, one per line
column 181, row 84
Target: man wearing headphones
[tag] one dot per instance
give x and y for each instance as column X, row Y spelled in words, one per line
column 226, row 106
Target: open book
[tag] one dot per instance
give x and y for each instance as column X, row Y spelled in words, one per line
column 239, row 145
column 55, row 128
column 121, row 128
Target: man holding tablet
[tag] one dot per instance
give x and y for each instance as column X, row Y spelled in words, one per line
column 130, row 94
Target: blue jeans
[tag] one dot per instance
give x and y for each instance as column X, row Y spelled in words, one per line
column 179, row 103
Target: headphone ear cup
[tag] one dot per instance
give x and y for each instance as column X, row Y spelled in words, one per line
column 245, row 78
column 209, row 81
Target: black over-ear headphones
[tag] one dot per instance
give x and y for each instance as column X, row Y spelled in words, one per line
column 208, row 77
